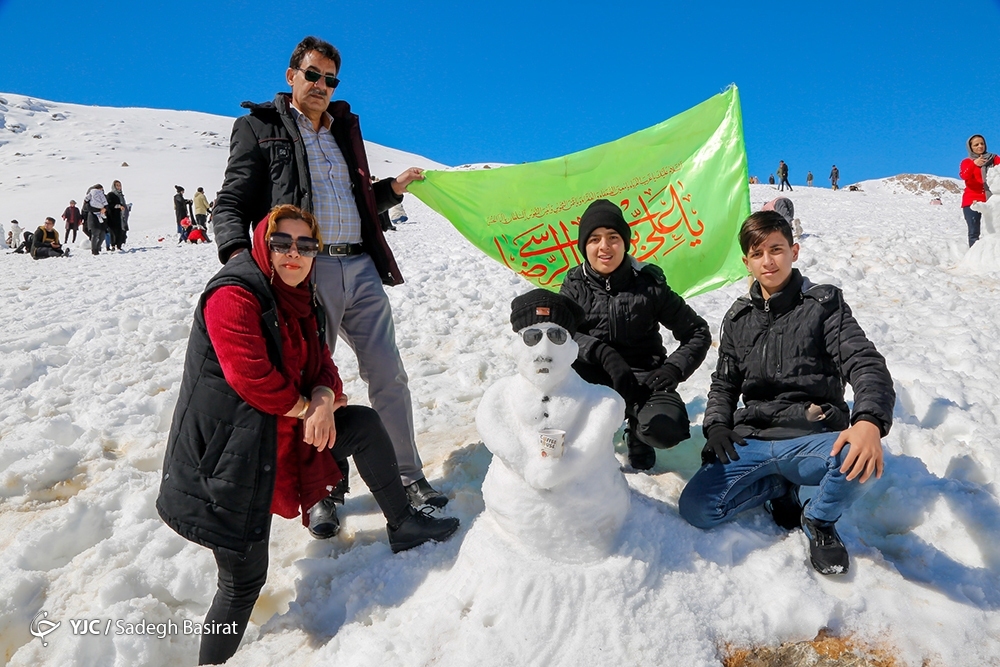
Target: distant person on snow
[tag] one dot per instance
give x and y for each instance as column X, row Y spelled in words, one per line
column 16, row 234
column 263, row 442
column 397, row 214
column 315, row 159
column 834, row 176
column 625, row 302
column 770, row 179
column 46, row 241
column 787, row 348
column 783, row 175
column 973, row 171
column 180, row 210
column 73, row 218
column 123, row 208
column 97, row 205
column 112, row 237
column 809, row 179
column 201, row 208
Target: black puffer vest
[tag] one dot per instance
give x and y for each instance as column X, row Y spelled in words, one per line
column 219, row 467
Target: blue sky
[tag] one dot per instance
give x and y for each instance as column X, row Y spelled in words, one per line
column 877, row 88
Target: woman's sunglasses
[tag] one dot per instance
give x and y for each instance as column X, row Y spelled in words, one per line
column 532, row 337
column 306, row 246
column 312, row 76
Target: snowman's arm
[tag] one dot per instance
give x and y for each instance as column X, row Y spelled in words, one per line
column 492, row 419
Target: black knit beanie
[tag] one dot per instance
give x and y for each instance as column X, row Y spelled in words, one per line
column 541, row 305
column 602, row 213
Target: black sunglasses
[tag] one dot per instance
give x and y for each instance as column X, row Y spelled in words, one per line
column 312, row 76
column 532, row 337
column 306, row 246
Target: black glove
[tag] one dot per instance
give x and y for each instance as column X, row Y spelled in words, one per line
column 664, row 378
column 720, row 445
column 622, row 378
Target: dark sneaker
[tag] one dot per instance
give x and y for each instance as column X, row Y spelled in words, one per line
column 422, row 493
column 786, row 510
column 826, row 551
column 420, row 527
column 640, row 455
column 323, row 520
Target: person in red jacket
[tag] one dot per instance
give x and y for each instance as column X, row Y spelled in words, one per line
column 260, row 414
column 973, row 172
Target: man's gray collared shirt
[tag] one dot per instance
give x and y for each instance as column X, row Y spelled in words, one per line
column 333, row 200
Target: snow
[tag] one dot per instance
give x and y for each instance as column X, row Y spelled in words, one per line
column 92, row 353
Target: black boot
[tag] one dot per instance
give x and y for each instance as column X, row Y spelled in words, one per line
column 826, row 551
column 640, row 455
column 422, row 493
column 787, row 509
column 323, row 520
column 420, row 527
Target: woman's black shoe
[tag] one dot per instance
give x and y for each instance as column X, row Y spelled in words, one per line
column 420, row 527
column 323, row 520
column 422, row 493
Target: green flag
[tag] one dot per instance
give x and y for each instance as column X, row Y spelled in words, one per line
column 682, row 186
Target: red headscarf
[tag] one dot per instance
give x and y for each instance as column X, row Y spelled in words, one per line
column 295, row 304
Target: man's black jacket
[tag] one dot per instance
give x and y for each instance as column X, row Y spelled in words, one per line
column 791, row 351
column 268, row 166
column 625, row 310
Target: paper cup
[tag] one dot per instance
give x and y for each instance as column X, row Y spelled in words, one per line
column 551, row 441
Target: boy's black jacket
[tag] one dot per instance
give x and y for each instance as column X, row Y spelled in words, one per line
column 625, row 310
column 795, row 349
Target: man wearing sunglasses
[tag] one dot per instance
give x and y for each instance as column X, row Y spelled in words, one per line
column 306, row 150
column 620, row 343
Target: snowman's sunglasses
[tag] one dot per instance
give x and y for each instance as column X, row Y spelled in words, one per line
column 532, row 337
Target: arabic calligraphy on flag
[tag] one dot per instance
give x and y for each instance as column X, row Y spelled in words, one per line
column 681, row 184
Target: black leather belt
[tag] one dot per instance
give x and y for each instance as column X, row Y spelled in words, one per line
column 342, row 249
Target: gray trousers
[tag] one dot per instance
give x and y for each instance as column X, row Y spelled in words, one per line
column 358, row 309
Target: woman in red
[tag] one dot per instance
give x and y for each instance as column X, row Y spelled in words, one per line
column 973, row 172
column 260, row 410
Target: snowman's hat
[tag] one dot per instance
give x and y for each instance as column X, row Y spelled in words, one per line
column 541, row 305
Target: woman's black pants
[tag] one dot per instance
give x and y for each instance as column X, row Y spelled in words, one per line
column 360, row 434
column 973, row 220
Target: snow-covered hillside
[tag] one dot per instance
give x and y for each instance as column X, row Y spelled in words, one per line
column 91, row 358
column 53, row 152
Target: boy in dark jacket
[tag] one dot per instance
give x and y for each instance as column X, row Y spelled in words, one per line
column 787, row 348
column 620, row 344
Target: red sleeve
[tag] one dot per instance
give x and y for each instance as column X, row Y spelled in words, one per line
column 232, row 316
column 967, row 169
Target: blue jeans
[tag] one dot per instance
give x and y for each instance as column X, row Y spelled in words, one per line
column 717, row 492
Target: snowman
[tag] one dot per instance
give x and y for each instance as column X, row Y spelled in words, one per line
column 554, row 485
column 991, row 207
column 984, row 256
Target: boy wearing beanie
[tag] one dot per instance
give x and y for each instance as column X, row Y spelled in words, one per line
column 624, row 304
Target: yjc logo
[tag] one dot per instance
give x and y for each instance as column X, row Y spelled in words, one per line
column 42, row 626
